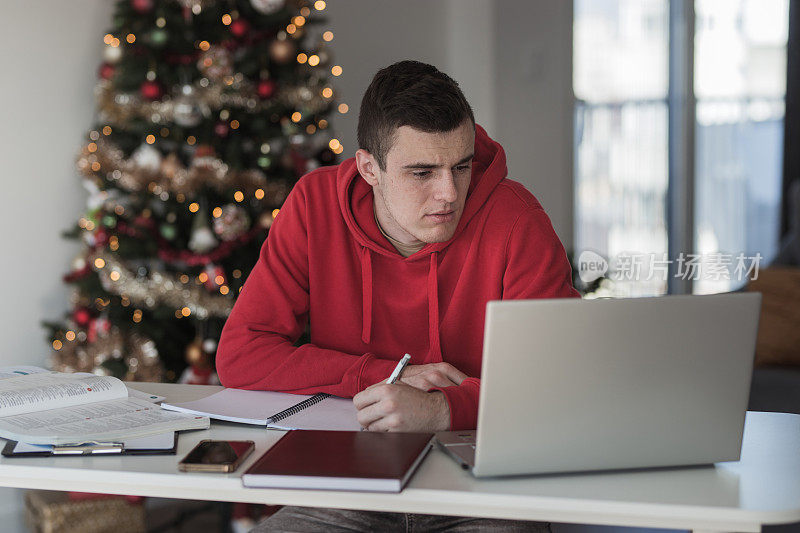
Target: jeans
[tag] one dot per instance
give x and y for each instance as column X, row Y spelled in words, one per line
column 319, row 520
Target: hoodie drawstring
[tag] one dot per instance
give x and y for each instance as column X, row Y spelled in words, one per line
column 366, row 291
column 433, row 309
column 433, row 303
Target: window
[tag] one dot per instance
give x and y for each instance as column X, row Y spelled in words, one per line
column 621, row 78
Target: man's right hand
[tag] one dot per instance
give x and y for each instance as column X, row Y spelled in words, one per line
column 426, row 377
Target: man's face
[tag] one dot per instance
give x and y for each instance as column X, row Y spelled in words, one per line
column 421, row 194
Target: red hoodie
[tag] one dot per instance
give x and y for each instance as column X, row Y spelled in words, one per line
column 326, row 262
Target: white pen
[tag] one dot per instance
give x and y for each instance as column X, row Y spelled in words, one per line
column 398, row 369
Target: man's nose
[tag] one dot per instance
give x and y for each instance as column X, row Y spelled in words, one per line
column 446, row 188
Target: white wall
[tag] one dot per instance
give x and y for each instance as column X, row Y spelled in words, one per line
column 49, row 52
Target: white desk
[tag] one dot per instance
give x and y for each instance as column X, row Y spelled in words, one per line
column 763, row 488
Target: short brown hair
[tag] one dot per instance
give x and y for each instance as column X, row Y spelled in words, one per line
column 408, row 93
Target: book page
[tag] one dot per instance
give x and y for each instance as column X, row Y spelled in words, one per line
column 108, row 421
column 39, row 391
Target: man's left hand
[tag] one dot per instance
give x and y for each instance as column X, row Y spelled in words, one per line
column 399, row 407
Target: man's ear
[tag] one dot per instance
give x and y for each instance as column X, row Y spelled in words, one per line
column 367, row 166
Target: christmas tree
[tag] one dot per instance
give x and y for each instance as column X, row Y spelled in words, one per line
column 207, row 114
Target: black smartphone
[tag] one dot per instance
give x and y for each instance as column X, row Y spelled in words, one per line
column 216, row 456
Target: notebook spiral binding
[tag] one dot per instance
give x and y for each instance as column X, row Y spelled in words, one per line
column 286, row 413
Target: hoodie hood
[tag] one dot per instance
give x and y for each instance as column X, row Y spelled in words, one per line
column 356, row 203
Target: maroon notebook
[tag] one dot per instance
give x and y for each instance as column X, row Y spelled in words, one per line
column 340, row 460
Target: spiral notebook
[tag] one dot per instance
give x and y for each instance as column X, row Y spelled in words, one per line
column 277, row 410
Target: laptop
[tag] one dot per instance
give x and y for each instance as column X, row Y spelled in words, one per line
column 574, row 385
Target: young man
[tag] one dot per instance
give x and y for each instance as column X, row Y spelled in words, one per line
column 394, row 251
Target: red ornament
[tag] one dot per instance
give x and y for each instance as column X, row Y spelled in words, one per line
column 240, row 28
column 100, row 237
column 151, row 90
column 266, row 88
column 106, row 71
column 81, row 317
column 215, row 277
column 205, row 150
column 142, row 6
column 221, row 129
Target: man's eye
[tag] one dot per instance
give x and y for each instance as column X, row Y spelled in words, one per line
column 422, row 174
column 462, row 168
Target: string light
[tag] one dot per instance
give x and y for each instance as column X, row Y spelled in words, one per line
column 219, row 280
column 224, row 290
column 107, row 38
column 343, row 108
column 217, row 212
column 99, row 262
column 322, row 124
column 327, row 36
column 93, row 135
column 275, row 213
column 114, row 276
column 299, row 21
column 180, row 198
column 150, row 139
column 92, row 147
column 334, row 144
column 237, row 273
column 226, row 19
column 161, row 22
column 186, row 311
column 319, row 5
column 96, row 166
column 70, row 335
column 107, row 130
column 164, row 132
column 184, row 278
column 238, row 196
column 131, row 38
column 178, row 314
column 313, row 60
column 259, row 194
column 114, row 42
column 310, row 129
column 57, row 344
column 291, row 28
column 137, row 315
column 203, row 277
column 190, row 140
column 297, row 116
column 302, row 58
column 336, row 70
column 305, row 11
column 194, row 207
column 327, row 92
column 204, row 45
column 234, row 124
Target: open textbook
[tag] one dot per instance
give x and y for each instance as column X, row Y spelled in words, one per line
column 276, row 410
column 42, row 407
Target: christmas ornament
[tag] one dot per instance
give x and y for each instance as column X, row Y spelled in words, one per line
column 266, row 89
column 112, row 54
column 232, row 223
column 267, row 7
column 200, row 370
column 215, row 277
column 240, row 28
column 142, row 6
column 202, row 239
column 170, row 166
column 106, row 71
column 188, row 111
column 168, row 231
column 221, row 129
column 147, row 158
column 158, row 37
column 151, row 90
column 215, row 63
column 82, row 316
column 281, row 51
